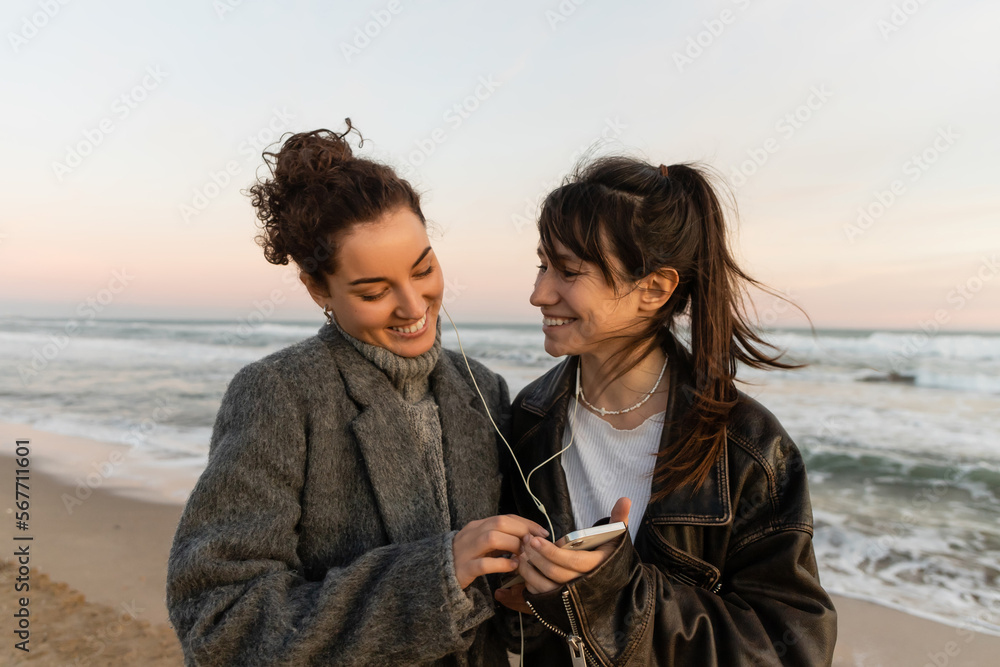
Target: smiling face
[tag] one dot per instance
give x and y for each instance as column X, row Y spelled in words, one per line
column 388, row 286
column 580, row 311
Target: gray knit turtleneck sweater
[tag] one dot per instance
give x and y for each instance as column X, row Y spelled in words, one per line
column 409, row 375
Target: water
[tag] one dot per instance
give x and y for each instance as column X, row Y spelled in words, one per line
column 904, row 475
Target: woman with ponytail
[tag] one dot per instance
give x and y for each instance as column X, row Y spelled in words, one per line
column 347, row 513
column 717, row 565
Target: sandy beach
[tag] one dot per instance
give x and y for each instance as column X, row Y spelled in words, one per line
column 98, row 569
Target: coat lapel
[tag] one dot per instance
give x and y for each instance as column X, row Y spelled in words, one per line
column 400, row 481
column 468, row 438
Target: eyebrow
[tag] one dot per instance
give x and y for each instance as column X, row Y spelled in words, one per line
column 562, row 257
column 364, row 281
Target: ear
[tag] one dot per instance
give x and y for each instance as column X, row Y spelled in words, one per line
column 657, row 288
column 319, row 293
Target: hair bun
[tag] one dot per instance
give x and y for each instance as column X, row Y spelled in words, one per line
column 309, row 157
column 317, row 190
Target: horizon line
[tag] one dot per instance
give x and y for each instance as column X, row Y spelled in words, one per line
column 200, row 320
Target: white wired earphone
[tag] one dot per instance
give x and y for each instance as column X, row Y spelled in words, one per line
column 526, row 480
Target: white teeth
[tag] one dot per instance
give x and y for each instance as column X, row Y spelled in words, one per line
column 412, row 329
column 550, row 322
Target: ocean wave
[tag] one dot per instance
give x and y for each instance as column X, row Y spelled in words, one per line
column 847, row 346
column 928, row 567
column 905, row 477
column 900, row 473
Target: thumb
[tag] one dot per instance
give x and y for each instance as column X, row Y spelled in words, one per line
column 620, row 510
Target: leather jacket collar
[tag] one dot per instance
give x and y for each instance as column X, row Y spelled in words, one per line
column 551, row 395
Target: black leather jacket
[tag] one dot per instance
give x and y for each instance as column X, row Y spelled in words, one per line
column 726, row 576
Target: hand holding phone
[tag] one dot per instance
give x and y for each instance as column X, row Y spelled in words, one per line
column 585, row 539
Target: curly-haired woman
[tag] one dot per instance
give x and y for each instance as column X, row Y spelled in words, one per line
column 347, row 511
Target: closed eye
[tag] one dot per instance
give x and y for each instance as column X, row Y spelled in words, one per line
column 374, row 297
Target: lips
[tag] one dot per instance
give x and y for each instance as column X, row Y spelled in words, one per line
column 557, row 321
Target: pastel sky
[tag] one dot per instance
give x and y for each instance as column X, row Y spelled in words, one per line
column 860, row 139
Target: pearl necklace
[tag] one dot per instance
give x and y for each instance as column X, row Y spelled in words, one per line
column 602, row 411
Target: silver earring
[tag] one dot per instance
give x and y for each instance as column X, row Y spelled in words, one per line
column 328, row 313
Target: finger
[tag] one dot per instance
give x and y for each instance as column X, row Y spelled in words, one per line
column 621, row 509
column 480, row 566
column 535, row 528
column 516, row 525
column 490, row 541
column 534, row 581
column 578, row 561
column 604, row 551
column 553, row 572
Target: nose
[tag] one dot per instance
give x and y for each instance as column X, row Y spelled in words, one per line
column 543, row 294
column 409, row 305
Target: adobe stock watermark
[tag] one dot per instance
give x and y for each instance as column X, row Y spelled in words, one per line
column 562, row 12
column 892, row 532
column 778, row 306
column 264, row 309
column 900, row 16
column 103, row 470
column 34, row 23
column 698, row 43
column 219, row 180
column 786, row 127
column 453, row 290
column 98, row 642
column 958, row 297
column 914, row 168
column 454, row 117
column 363, row 35
column 261, row 312
column 749, row 506
column 88, row 309
column 612, row 130
column 967, row 631
column 223, row 8
column 121, row 108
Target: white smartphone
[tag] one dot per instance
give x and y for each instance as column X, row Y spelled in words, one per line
column 585, row 539
column 589, row 538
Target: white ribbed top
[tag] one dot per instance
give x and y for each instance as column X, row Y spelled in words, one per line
column 606, row 463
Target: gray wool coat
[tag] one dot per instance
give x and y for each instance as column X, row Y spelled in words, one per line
column 307, row 540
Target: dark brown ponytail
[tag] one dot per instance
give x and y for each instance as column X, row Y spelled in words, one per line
column 650, row 218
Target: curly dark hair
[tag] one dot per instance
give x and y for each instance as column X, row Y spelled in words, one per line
column 318, row 190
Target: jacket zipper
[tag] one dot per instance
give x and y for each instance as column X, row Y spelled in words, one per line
column 578, row 651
